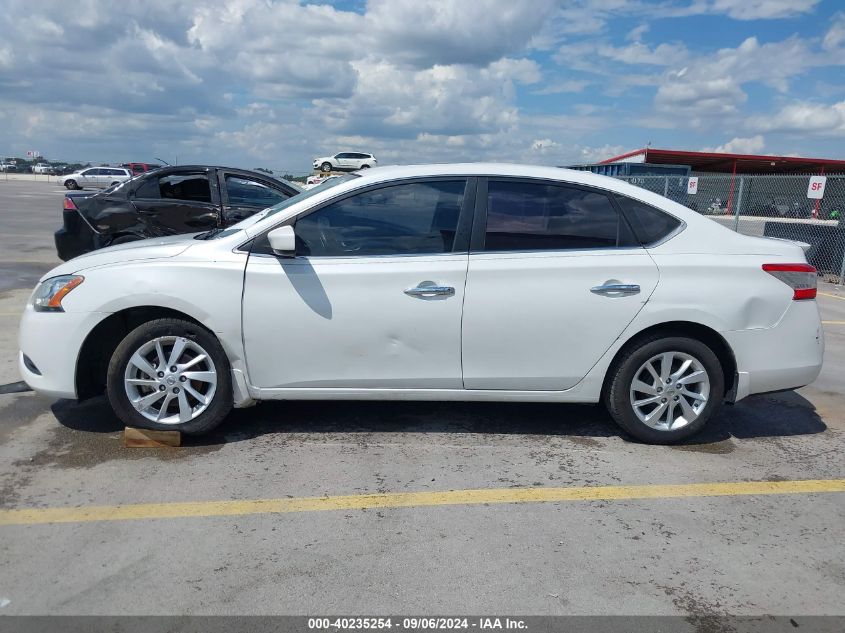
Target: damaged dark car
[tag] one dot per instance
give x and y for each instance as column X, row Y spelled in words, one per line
column 166, row 201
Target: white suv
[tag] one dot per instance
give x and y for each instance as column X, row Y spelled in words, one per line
column 96, row 177
column 345, row 161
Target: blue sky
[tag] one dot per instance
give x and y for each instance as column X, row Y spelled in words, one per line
column 275, row 83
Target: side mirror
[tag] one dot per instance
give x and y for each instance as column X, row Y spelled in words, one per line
column 283, row 241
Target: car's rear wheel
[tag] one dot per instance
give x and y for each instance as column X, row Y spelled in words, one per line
column 326, row 167
column 71, row 184
column 116, row 182
column 365, row 166
column 170, row 374
column 665, row 389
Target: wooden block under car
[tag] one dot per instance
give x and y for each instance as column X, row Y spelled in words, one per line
column 143, row 438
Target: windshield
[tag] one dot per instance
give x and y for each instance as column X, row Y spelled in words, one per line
column 327, row 184
column 218, row 233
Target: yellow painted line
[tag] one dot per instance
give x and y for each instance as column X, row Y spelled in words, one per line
column 827, row 294
column 134, row 512
column 833, row 322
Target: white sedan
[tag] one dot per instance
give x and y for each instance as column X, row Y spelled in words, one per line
column 438, row 282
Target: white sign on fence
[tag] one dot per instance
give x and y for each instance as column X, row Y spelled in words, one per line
column 815, row 189
column 692, row 185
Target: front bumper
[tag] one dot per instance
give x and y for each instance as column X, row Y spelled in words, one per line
column 51, row 341
column 786, row 356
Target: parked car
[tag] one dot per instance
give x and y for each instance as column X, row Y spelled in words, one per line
column 42, row 168
column 440, row 282
column 96, row 177
column 166, row 201
column 8, row 167
column 313, row 181
column 345, row 161
column 140, row 168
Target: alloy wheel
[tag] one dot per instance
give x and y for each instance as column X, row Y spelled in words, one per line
column 170, row 380
column 669, row 391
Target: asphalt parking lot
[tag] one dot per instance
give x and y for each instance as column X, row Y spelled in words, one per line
column 313, row 508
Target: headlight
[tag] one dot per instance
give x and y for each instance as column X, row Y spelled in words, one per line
column 49, row 294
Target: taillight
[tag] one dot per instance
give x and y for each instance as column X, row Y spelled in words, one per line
column 69, row 205
column 801, row 278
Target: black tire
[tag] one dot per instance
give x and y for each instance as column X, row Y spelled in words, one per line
column 326, row 167
column 116, row 182
column 365, row 166
column 216, row 410
column 71, row 184
column 617, row 395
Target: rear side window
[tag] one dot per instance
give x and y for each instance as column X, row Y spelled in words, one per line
column 251, row 193
column 525, row 216
column 193, row 187
column 147, row 188
column 650, row 225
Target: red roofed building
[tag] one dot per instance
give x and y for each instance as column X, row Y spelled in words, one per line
column 716, row 162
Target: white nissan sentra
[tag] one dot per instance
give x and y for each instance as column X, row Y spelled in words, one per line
column 435, row 282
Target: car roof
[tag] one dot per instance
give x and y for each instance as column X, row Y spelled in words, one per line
column 381, row 174
column 240, row 170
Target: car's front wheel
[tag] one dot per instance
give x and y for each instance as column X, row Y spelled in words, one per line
column 326, row 167
column 170, row 374
column 665, row 389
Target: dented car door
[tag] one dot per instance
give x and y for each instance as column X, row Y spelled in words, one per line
column 371, row 299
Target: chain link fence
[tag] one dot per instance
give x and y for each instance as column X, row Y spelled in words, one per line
column 768, row 206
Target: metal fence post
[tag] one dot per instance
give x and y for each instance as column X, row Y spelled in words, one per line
column 842, row 269
column 666, row 187
column 739, row 204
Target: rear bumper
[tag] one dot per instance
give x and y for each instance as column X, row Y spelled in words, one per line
column 786, row 356
column 74, row 238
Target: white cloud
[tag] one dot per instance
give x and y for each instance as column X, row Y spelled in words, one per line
column 804, row 117
column 543, row 145
column 834, row 39
column 636, row 33
column 713, row 85
column 739, row 145
column 762, row 9
column 448, row 32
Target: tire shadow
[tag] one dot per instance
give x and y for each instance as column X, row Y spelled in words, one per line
column 771, row 415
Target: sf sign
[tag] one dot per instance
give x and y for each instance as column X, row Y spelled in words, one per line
column 692, row 186
column 815, row 189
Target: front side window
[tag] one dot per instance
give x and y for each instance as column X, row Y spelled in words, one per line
column 412, row 218
column 193, row 187
column 526, row 216
column 251, row 193
column 90, row 172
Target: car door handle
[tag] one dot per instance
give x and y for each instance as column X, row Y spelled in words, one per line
column 616, row 289
column 430, row 291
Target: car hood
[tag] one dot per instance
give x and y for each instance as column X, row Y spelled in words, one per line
column 153, row 248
